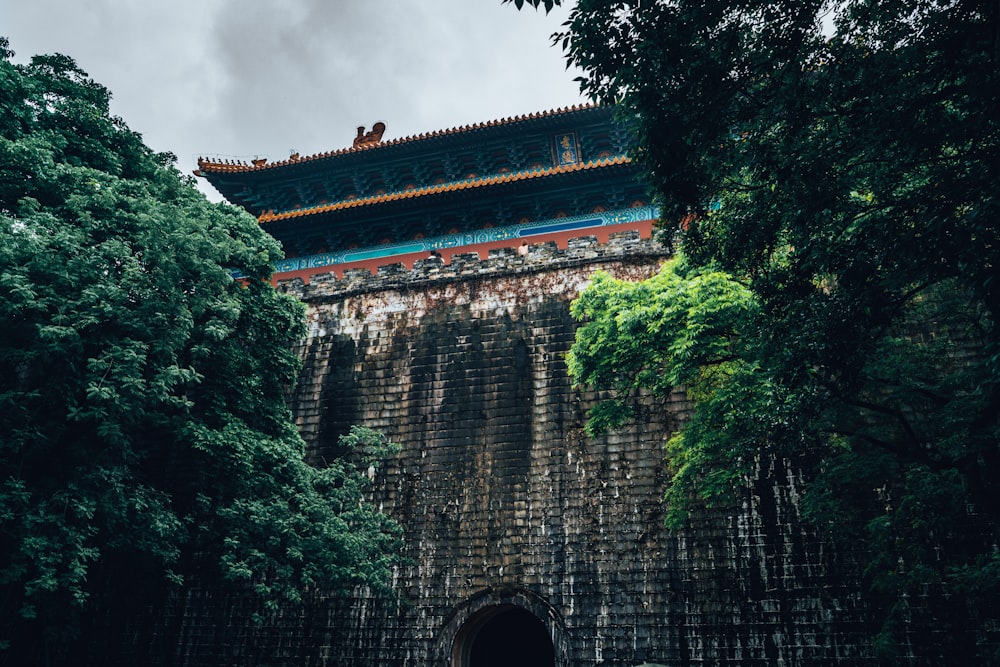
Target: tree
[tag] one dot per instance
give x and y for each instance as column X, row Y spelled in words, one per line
column 840, row 162
column 144, row 436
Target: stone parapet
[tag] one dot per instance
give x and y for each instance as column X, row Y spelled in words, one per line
column 542, row 257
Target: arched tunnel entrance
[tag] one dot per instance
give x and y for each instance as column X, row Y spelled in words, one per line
column 501, row 636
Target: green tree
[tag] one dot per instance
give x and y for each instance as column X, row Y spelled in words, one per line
column 839, row 161
column 144, row 436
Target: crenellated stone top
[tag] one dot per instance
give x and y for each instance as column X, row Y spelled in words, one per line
column 524, row 259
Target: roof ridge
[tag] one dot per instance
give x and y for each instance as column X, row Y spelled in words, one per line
column 241, row 166
column 494, row 179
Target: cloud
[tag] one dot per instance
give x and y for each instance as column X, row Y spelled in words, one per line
column 239, row 79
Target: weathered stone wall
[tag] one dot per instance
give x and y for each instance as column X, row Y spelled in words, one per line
column 505, row 501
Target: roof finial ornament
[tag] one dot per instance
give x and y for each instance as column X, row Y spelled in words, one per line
column 369, row 138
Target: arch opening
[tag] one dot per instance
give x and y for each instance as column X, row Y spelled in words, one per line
column 503, row 636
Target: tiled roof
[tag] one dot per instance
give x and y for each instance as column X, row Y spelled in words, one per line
column 240, row 166
column 444, row 187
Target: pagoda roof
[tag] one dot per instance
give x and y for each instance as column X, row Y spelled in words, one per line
column 540, row 177
column 208, row 166
column 455, row 186
column 514, row 150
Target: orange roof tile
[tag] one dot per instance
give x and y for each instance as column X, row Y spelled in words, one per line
column 239, row 166
column 444, row 187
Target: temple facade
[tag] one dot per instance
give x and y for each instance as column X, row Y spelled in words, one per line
column 437, row 271
column 542, row 178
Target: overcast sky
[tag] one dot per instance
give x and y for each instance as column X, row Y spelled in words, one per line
column 246, row 78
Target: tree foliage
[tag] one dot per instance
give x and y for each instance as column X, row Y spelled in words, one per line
column 840, row 161
column 144, row 435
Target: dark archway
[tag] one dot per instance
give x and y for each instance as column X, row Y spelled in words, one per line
column 508, row 626
column 510, row 636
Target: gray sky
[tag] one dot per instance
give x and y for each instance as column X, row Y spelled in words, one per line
column 245, row 78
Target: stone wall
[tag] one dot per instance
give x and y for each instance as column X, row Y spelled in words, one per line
column 506, row 504
column 504, row 499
